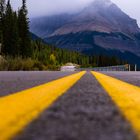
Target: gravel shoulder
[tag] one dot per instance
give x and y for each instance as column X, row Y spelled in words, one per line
column 85, row 112
column 130, row 77
column 11, row 82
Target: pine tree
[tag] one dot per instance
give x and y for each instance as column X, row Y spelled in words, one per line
column 10, row 32
column 2, row 8
column 15, row 37
column 2, row 3
column 7, row 29
column 24, row 34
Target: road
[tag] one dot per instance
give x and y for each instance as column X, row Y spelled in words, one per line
column 11, row 82
column 130, row 77
column 85, row 112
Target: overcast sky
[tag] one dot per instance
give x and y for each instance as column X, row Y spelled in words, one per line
column 47, row 7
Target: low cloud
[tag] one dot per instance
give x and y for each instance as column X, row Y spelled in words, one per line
column 50, row 7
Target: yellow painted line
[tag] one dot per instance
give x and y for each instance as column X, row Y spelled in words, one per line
column 19, row 109
column 126, row 97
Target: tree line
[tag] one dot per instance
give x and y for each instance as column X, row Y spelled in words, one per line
column 16, row 42
column 51, row 55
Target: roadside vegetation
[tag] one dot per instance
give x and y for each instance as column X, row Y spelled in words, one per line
column 19, row 52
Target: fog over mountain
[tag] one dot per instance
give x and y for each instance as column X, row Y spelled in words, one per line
column 99, row 28
column 49, row 7
column 99, row 15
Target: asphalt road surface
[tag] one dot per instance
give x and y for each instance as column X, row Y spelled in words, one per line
column 11, row 82
column 84, row 112
column 129, row 77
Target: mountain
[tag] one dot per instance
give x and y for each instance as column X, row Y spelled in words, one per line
column 102, row 16
column 100, row 28
column 44, row 26
column 34, row 37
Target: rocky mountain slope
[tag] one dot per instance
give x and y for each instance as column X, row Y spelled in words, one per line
column 100, row 28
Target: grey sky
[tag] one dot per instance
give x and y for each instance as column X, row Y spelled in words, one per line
column 47, row 7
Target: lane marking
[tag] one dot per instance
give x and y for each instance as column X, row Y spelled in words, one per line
column 126, row 97
column 19, row 109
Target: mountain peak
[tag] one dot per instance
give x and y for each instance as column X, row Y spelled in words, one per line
column 100, row 15
column 99, row 6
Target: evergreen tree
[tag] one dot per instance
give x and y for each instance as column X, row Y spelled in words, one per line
column 24, row 34
column 15, row 37
column 7, row 30
column 2, row 8
column 10, row 32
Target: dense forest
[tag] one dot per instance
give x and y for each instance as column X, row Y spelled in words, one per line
column 18, row 51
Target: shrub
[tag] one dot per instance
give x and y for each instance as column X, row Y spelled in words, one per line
column 28, row 64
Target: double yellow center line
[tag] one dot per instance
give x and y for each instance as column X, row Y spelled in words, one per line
column 18, row 110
